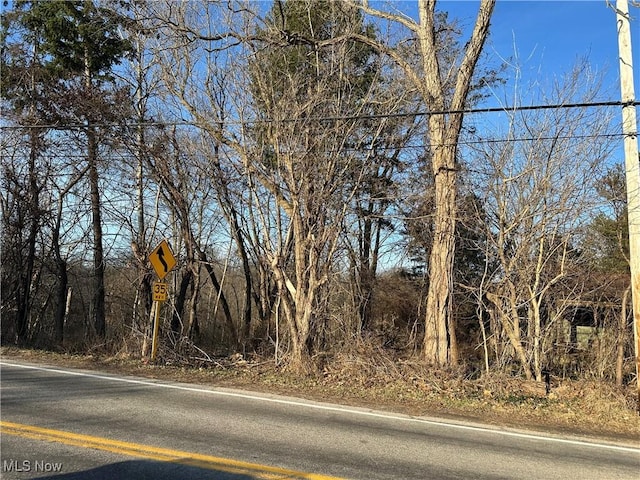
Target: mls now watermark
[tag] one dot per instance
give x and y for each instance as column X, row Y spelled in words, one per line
column 28, row 466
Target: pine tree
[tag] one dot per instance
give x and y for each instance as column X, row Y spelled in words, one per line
column 80, row 44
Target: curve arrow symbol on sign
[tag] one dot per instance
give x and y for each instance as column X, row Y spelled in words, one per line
column 162, row 260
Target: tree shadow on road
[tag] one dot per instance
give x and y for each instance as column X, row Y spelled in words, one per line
column 145, row 469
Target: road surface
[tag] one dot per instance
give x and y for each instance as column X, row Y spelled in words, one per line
column 68, row 424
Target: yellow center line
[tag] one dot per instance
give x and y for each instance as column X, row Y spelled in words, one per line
column 157, row 453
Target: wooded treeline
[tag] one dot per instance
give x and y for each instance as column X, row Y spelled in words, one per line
column 309, row 163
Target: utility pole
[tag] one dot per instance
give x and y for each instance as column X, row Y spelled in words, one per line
column 632, row 167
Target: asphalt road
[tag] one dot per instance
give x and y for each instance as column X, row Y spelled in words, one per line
column 72, row 424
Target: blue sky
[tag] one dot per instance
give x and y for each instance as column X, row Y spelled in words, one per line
column 550, row 36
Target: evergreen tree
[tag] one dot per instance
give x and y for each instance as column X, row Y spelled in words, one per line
column 611, row 227
column 79, row 43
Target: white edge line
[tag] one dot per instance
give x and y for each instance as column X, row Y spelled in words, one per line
column 318, row 406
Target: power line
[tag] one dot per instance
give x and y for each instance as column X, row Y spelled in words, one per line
column 411, row 146
column 381, row 116
column 481, row 141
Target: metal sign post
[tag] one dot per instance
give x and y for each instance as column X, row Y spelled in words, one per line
column 156, row 318
column 162, row 260
column 159, row 295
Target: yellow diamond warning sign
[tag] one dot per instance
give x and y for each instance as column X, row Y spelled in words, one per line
column 162, row 259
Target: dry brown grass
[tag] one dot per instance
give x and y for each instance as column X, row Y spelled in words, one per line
column 369, row 376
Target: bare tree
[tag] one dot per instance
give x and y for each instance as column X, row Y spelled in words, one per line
column 22, row 217
column 538, row 200
column 299, row 172
column 188, row 191
column 304, row 167
column 433, row 80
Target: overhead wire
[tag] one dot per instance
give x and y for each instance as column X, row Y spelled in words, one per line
column 460, row 142
column 380, row 116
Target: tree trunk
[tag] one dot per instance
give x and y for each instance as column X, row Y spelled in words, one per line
column 144, row 285
column 98, row 295
column 444, row 129
column 193, row 332
column 24, row 299
column 366, row 271
column 236, row 231
column 622, row 327
column 297, row 300
column 63, row 292
column 180, row 300
column 61, row 301
column 439, row 340
column 232, row 217
column 536, row 335
column 98, row 299
column 508, row 326
column 62, row 278
column 298, row 318
column 233, row 331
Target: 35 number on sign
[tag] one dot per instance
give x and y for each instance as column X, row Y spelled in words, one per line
column 160, row 290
